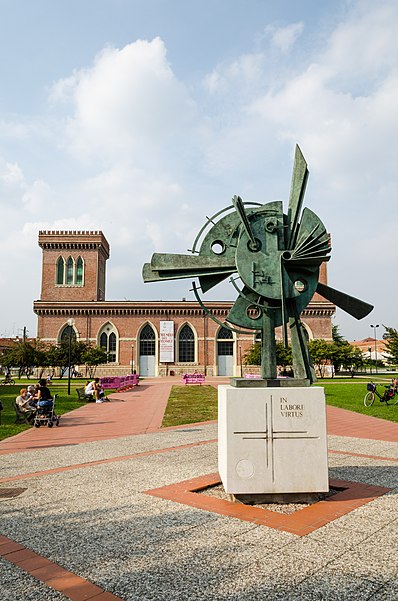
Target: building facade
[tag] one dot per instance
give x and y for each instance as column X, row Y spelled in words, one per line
column 154, row 338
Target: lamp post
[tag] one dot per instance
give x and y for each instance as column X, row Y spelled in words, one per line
column 132, row 358
column 375, row 336
column 240, row 361
column 71, row 323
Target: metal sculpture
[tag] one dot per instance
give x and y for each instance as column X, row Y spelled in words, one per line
column 277, row 257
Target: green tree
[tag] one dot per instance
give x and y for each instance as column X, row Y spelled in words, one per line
column 283, row 355
column 391, row 344
column 321, row 354
column 20, row 355
column 58, row 355
column 253, row 355
column 93, row 356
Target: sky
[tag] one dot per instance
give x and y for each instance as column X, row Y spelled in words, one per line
column 142, row 117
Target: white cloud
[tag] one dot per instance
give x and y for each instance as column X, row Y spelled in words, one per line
column 245, row 71
column 11, row 175
column 128, row 102
column 284, row 38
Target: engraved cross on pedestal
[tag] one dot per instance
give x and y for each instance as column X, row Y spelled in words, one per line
column 269, row 435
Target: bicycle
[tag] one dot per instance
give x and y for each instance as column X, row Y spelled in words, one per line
column 8, row 380
column 389, row 397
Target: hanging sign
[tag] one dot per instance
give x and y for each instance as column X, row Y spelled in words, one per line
column 167, row 342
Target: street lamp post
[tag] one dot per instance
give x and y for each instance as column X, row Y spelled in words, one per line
column 375, row 336
column 240, row 361
column 132, row 358
column 71, row 323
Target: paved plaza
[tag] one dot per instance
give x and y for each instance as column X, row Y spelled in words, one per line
column 84, row 524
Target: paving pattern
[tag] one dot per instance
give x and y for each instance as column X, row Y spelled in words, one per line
column 83, row 527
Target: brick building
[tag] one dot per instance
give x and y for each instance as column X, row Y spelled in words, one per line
column 73, row 296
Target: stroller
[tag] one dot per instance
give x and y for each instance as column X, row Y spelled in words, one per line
column 45, row 415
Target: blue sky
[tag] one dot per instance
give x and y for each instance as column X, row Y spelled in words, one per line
column 140, row 118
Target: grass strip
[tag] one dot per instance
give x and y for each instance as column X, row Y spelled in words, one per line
column 189, row 404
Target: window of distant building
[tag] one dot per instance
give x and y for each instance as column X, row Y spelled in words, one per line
column 60, row 270
column 69, row 272
column 186, row 345
column 108, row 342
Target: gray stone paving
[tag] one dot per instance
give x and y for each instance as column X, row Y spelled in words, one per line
column 96, row 522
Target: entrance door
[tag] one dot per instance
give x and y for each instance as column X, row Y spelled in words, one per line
column 147, row 365
column 225, row 352
column 147, row 352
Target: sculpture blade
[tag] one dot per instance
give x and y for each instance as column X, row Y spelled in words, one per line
column 207, row 282
column 165, row 266
column 354, row 306
column 297, row 190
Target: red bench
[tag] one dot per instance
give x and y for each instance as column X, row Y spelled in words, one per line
column 193, row 378
column 120, row 382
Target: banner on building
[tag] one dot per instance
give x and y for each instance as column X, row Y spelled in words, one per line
column 167, row 342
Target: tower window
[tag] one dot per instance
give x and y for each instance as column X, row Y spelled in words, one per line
column 60, row 270
column 69, row 271
column 79, row 272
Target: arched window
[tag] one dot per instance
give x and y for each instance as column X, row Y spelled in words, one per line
column 69, row 271
column 147, row 341
column 68, row 333
column 108, row 342
column 112, row 347
column 60, row 270
column 79, row 272
column 224, row 342
column 186, row 345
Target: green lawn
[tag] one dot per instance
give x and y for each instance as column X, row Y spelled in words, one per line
column 63, row 403
column 190, row 404
column 349, row 394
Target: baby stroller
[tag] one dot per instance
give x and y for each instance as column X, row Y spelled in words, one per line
column 45, row 415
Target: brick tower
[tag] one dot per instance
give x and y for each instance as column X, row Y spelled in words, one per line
column 73, row 266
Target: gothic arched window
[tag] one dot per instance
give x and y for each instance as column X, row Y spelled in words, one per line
column 147, row 340
column 108, row 342
column 60, row 270
column 79, row 272
column 186, row 345
column 69, row 271
column 225, row 345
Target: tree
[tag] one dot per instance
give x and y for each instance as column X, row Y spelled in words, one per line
column 253, row 355
column 283, row 355
column 391, row 344
column 21, row 355
column 58, row 356
column 92, row 357
column 321, row 354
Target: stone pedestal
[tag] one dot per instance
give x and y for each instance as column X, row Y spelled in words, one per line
column 272, row 440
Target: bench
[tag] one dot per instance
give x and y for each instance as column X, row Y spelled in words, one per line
column 82, row 396
column 21, row 417
column 193, row 378
column 120, row 382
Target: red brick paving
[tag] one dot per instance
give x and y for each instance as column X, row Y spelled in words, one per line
column 302, row 522
column 341, row 422
column 53, row 575
column 140, row 411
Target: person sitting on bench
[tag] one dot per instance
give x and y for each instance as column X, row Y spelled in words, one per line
column 94, row 388
column 24, row 406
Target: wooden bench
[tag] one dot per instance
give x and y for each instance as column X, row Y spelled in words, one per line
column 21, row 417
column 193, row 378
column 82, row 396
